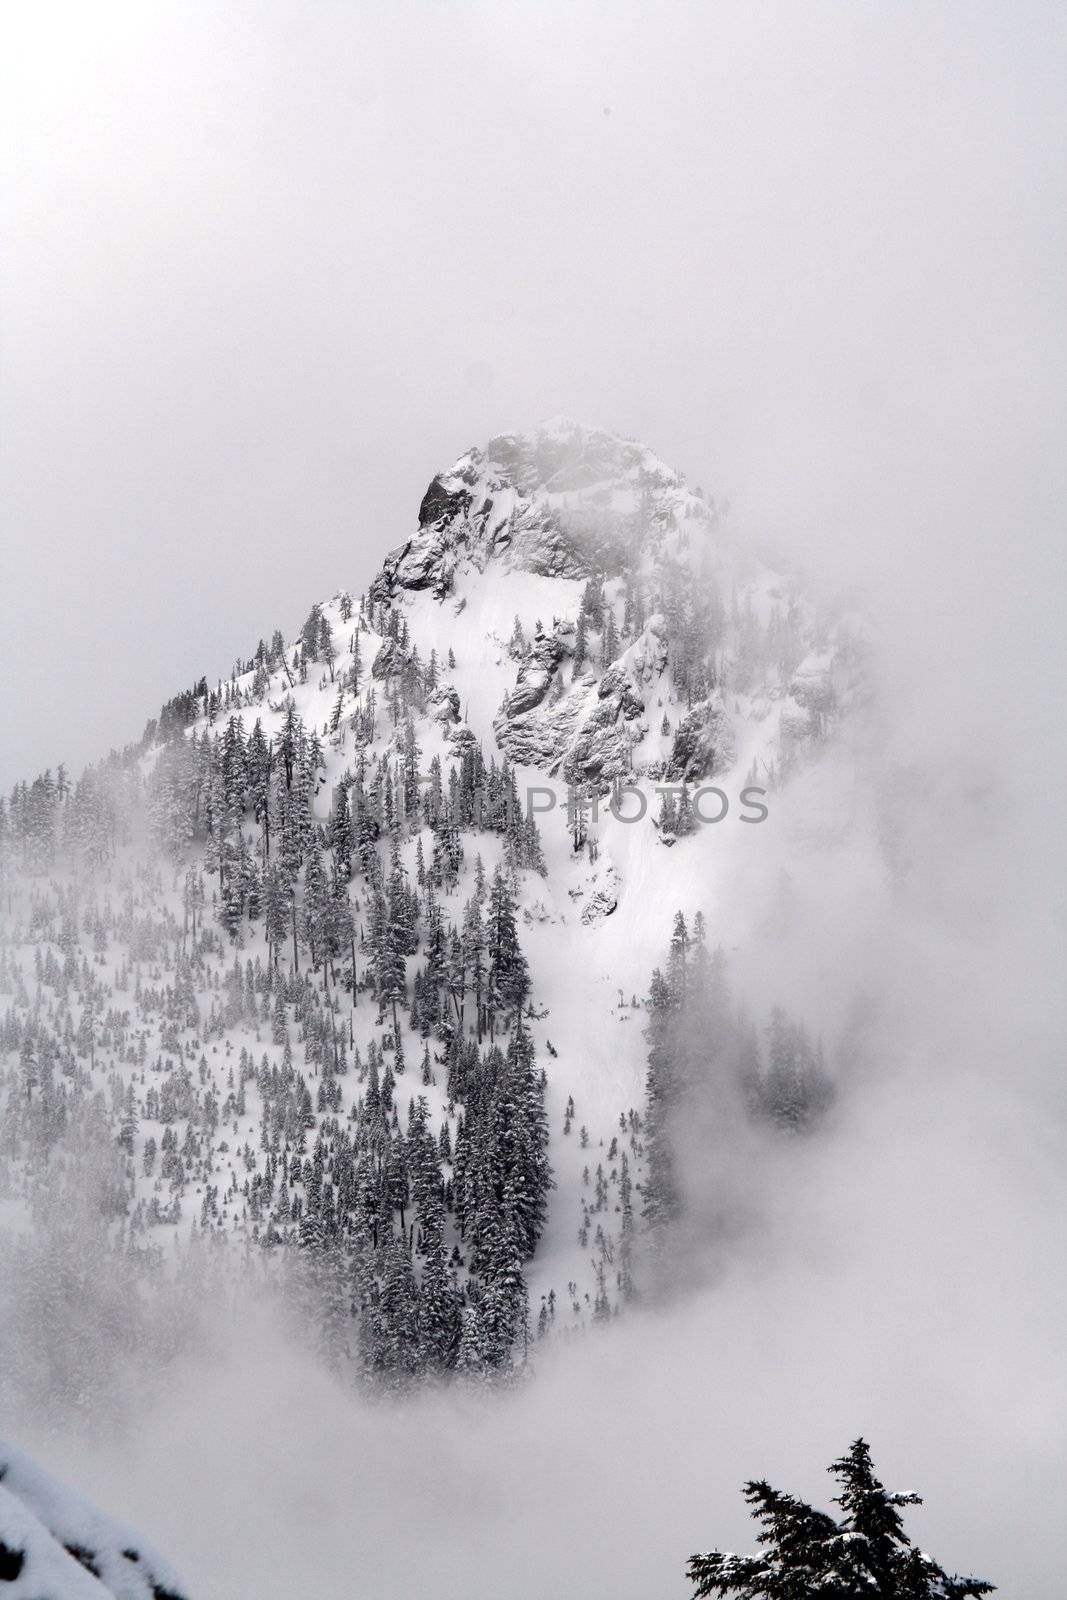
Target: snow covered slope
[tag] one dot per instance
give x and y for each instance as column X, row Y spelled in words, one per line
column 54, row 1545
column 569, row 671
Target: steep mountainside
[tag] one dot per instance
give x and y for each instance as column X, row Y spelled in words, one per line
column 348, row 958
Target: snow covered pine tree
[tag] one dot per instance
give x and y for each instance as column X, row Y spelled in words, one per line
column 864, row 1556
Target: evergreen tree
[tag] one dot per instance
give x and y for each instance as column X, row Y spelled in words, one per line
column 581, row 643
column 808, row 1553
column 610, row 647
column 508, row 978
column 316, row 910
column 661, row 1199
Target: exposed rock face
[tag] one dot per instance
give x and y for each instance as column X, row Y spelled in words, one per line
column 562, row 502
column 609, row 496
column 389, row 660
column 535, row 674
column 444, row 704
column 576, row 503
column 703, row 743
column 600, row 750
column 586, row 734
column 541, row 737
column 540, row 545
column 617, row 686
column 426, row 562
column 473, row 513
column 444, row 501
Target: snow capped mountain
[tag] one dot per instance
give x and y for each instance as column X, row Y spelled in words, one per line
column 347, row 958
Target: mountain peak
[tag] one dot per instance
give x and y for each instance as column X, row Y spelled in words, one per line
column 562, row 455
column 562, row 500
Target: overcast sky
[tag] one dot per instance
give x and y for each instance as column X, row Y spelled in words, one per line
column 269, row 266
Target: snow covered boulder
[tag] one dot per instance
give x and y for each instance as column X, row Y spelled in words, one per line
column 55, row 1545
column 599, row 893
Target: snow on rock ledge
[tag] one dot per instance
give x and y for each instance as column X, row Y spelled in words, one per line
column 55, row 1545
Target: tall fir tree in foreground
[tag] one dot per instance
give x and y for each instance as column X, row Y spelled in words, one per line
column 866, row 1555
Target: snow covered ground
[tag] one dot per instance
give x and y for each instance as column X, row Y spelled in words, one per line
column 56, row 1545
